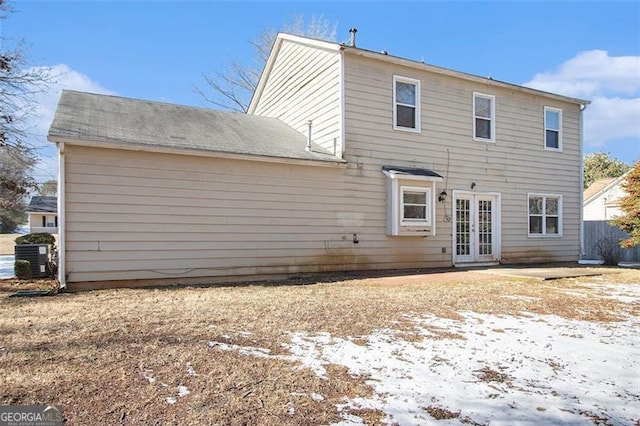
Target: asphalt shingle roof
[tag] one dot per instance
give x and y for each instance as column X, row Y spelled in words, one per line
column 111, row 119
column 40, row 204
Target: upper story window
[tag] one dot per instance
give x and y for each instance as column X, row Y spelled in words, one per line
column 406, row 104
column 552, row 129
column 484, row 122
column 545, row 215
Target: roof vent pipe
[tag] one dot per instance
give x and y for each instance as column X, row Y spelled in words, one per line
column 309, row 123
column 353, row 32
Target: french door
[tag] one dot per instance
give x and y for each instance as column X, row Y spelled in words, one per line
column 477, row 227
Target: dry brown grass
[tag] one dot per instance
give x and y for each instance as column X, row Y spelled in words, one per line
column 90, row 352
column 7, row 241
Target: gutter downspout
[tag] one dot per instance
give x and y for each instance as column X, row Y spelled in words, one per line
column 581, row 209
column 62, row 246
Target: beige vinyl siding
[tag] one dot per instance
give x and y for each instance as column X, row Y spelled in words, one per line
column 139, row 215
column 303, row 85
column 151, row 216
column 515, row 165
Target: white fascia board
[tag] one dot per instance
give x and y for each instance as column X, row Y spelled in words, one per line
column 264, row 76
column 196, row 152
column 458, row 74
column 320, row 44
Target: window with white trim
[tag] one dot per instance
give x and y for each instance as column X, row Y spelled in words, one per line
column 552, row 129
column 545, row 215
column 484, row 122
column 411, row 201
column 406, row 104
column 416, row 206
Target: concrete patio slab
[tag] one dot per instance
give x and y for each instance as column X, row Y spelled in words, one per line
column 546, row 272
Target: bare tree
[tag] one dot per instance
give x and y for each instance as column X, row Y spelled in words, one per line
column 48, row 188
column 18, row 86
column 232, row 88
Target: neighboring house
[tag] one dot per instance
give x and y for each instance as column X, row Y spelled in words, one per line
column 43, row 214
column 348, row 160
column 601, row 200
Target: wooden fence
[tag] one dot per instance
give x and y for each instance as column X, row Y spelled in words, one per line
column 598, row 230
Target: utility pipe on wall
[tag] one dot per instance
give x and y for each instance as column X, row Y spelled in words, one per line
column 309, row 123
column 62, row 246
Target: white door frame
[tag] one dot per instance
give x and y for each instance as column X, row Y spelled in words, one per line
column 497, row 225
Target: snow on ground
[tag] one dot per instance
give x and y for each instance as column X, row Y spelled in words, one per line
column 6, row 266
column 502, row 370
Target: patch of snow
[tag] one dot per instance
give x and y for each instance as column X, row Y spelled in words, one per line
column 590, row 262
column 146, row 374
column 576, row 293
column 6, row 266
column 183, row 391
column 307, row 350
column 291, row 410
column 502, row 370
column 190, row 371
column 349, row 420
column 316, row 396
column 623, row 293
column 550, row 370
column 521, row 297
column 244, row 350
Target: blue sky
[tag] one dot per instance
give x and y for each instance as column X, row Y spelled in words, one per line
column 158, row 50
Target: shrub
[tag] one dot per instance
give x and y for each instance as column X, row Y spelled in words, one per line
column 609, row 249
column 22, row 269
column 52, row 266
column 38, row 238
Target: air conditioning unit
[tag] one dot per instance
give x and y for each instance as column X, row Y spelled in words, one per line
column 38, row 255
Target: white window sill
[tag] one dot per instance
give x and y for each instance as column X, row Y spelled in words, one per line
column 475, row 139
column 407, row 129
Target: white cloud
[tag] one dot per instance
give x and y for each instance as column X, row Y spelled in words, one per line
column 592, row 73
column 64, row 78
column 42, row 116
column 612, row 83
column 611, row 118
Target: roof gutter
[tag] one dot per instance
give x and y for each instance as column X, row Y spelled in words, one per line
column 109, row 144
column 458, row 74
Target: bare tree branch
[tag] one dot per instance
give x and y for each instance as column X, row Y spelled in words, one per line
column 233, row 87
column 18, row 86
